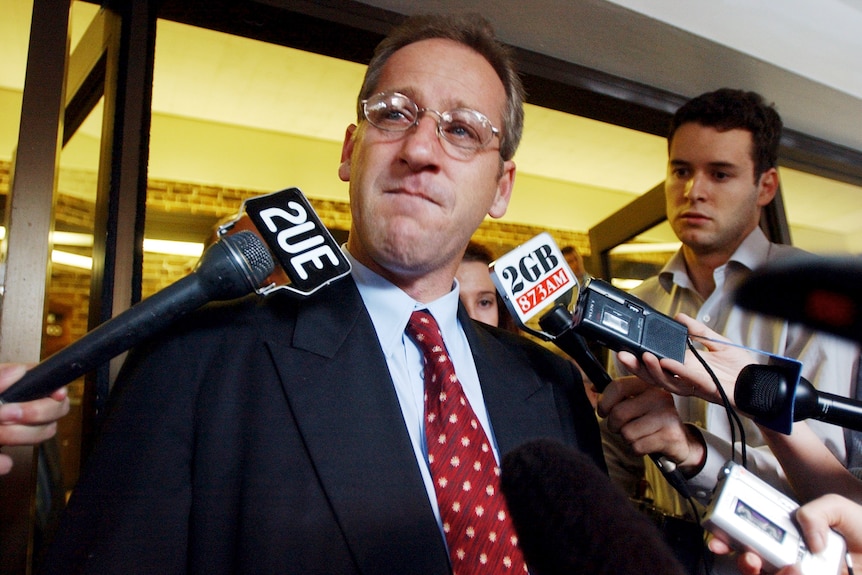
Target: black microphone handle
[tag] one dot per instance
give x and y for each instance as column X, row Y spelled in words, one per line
column 232, row 267
column 841, row 411
column 109, row 339
column 827, row 407
column 576, row 347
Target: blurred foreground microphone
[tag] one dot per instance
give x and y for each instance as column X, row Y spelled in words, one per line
column 821, row 292
column 772, row 395
column 232, row 267
column 281, row 225
column 571, row 519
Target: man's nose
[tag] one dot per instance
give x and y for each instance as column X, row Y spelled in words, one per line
column 695, row 187
column 422, row 141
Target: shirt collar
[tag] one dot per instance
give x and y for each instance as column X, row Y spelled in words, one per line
column 752, row 252
column 390, row 307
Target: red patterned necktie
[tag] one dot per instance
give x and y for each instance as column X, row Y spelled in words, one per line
column 466, row 477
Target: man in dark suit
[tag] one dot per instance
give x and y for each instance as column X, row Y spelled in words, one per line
column 286, row 436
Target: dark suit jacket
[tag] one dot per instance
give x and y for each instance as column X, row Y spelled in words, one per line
column 265, row 436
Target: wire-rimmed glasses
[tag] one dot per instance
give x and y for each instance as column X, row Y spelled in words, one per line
column 464, row 128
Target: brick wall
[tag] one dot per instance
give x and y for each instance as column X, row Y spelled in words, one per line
column 69, row 287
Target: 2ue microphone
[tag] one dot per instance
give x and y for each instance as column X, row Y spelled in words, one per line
column 276, row 242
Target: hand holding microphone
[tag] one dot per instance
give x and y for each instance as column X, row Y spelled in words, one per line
column 691, row 378
column 31, row 422
column 815, row 520
column 647, row 418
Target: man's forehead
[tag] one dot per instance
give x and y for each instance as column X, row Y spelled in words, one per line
column 695, row 141
column 438, row 68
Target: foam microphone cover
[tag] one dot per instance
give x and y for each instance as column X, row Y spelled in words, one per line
column 821, row 292
column 763, row 391
column 570, row 518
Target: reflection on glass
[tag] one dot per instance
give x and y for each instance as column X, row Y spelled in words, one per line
column 643, row 257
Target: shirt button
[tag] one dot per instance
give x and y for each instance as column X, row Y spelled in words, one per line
column 706, row 318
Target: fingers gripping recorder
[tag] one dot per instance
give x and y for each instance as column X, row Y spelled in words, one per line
column 534, row 278
column 751, row 515
column 237, row 264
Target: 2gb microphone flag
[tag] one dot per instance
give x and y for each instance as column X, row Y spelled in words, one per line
column 532, row 277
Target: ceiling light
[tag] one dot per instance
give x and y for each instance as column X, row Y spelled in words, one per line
column 170, row 247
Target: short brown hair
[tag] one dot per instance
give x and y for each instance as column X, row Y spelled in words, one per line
column 727, row 109
column 476, row 252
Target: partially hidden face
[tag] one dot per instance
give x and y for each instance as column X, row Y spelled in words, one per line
column 478, row 293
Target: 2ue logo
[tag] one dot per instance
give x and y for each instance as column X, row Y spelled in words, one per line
column 298, row 239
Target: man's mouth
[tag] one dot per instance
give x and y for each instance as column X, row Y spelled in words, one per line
column 418, row 194
column 693, row 217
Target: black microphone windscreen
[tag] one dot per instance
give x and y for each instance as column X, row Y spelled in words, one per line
column 255, row 254
column 234, row 266
column 570, row 518
column 761, row 390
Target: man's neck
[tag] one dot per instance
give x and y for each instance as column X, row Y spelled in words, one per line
column 701, row 269
column 423, row 287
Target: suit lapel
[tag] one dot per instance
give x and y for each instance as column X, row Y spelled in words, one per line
column 520, row 405
column 340, row 392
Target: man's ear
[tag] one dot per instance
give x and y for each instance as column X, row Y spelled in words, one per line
column 767, row 186
column 346, row 152
column 505, row 183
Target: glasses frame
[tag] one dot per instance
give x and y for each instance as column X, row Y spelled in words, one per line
column 440, row 117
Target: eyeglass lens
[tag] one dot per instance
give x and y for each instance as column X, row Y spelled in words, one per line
column 462, row 127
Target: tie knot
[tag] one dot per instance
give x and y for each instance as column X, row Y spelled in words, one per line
column 424, row 330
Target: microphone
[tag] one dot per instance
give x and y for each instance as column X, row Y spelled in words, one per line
column 819, row 291
column 559, row 322
column 533, row 277
column 570, row 518
column 766, row 392
column 232, row 267
column 235, row 265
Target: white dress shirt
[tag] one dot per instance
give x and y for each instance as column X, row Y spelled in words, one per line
column 390, row 309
